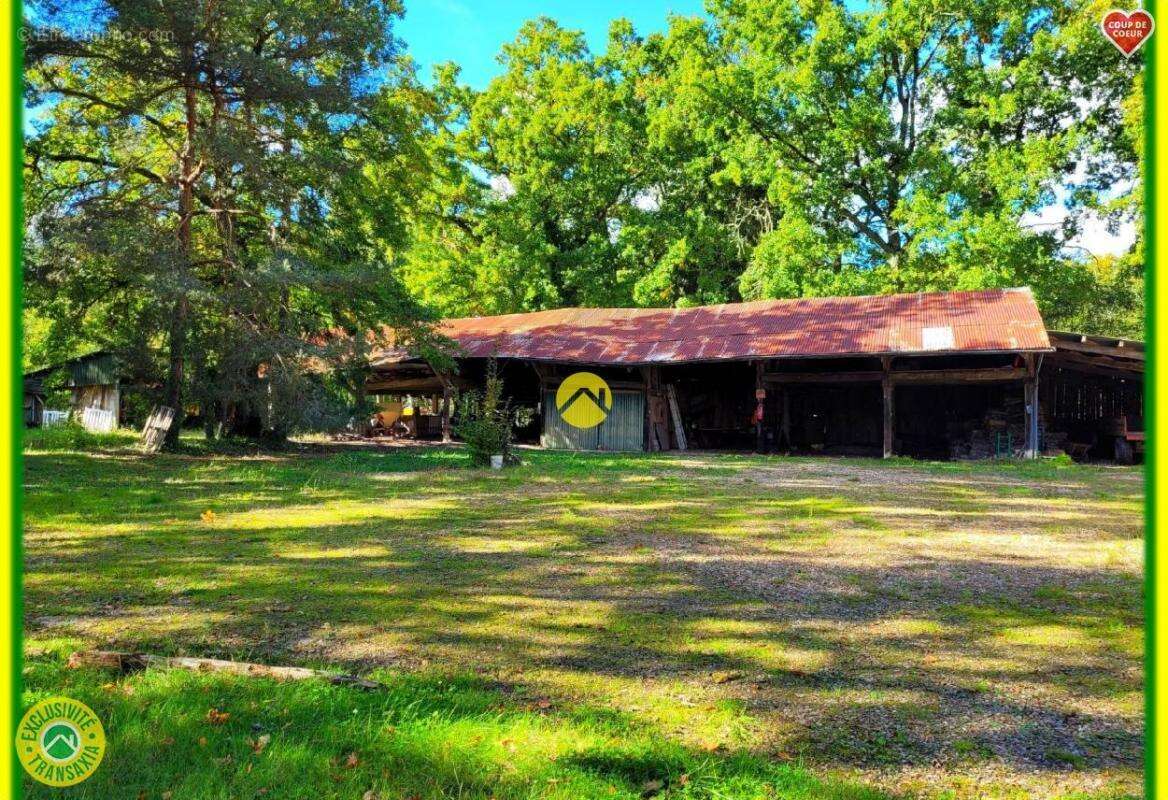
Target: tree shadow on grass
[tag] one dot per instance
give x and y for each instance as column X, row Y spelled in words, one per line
column 944, row 656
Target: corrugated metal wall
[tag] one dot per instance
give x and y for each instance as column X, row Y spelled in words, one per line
column 623, row 429
column 94, row 370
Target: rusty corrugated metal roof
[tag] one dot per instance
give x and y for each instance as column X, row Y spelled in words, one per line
column 994, row 320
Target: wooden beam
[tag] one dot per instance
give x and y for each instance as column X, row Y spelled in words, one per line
column 873, row 376
column 647, row 422
column 656, row 411
column 134, row 662
column 1030, row 398
column 1073, row 370
column 1088, row 363
column 784, row 419
column 417, row 386
column 553, row 383
column 1095, row 348
column 940, row 376
column 924, row 376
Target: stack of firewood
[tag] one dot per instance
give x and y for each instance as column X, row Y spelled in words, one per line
column 1001, row 432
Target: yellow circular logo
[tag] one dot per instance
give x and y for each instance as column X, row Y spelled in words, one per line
column 584, row 400
column 60, row 741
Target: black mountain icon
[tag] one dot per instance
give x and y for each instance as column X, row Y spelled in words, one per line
column 601, row 400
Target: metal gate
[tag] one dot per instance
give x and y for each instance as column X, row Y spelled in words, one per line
column 622, row 429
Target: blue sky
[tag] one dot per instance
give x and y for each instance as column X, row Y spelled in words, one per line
column 470, row 32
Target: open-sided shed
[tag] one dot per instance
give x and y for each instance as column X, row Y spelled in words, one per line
column 944, row 374
column 1093, row 395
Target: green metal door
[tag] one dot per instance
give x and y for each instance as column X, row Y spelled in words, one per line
column 622, row 429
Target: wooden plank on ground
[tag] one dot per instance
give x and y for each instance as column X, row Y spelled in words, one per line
column 133, row 662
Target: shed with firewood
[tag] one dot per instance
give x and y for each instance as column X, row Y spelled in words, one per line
column 946, row 375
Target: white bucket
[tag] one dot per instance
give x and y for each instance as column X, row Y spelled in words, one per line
column 497, row 462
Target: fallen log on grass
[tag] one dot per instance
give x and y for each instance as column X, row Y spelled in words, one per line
column 134, row 662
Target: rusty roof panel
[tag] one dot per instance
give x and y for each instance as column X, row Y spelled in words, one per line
column 959, row 322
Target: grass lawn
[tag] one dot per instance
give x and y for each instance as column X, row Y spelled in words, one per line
column 593, row 625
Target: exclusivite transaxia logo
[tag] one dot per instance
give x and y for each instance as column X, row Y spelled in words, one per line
column 60, row 741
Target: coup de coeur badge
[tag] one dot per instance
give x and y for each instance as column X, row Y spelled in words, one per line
column 1127, row 30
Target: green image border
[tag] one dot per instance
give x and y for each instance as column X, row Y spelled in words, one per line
column 16, row 111
column 1151, row 414
column 16, row 278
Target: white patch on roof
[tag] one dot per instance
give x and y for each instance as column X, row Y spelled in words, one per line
column 937, row 338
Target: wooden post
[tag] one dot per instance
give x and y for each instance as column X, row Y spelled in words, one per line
column 785, row 420
column 646, row 395
column 657, row 412
column 541, row 406
column 889, row 409
column 759, row 399
column 1030, row 399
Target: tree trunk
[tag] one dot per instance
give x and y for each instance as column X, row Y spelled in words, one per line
column 360, row 408
column 181, row 310
column 174, row 381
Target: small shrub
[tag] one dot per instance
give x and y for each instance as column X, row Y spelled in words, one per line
column 485, row 421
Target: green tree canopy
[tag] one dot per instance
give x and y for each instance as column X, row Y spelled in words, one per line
column 780, row 148
column 214, row 185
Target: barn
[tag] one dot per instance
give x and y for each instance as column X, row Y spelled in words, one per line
column 944, row 375
column 92, row 379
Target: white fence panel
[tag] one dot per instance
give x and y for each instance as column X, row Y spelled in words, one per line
column 50, row 418
column 98, row 420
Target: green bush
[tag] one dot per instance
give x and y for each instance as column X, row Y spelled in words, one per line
column 485, row 421
column 484, row 438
